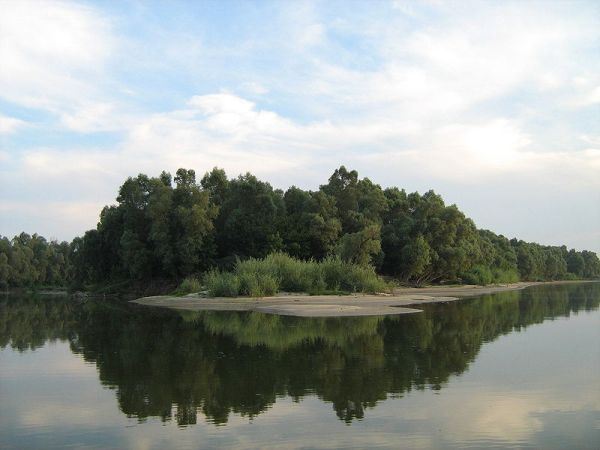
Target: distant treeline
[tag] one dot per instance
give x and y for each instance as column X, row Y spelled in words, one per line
column 169, row 228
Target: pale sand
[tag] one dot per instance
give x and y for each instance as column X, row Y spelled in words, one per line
column 333, row 305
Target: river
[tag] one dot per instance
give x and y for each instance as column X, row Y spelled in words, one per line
column 515, row 369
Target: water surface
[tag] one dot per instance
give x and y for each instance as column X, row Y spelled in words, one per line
column 510, row 370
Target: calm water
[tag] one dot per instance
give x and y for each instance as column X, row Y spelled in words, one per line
column 512, row 370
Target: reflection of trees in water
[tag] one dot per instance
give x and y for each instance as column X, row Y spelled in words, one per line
column 27, row 323
column 220, row 363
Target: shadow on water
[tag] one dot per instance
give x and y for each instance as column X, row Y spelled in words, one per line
column 171, row 365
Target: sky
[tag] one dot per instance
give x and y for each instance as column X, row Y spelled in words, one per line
column 494, row 105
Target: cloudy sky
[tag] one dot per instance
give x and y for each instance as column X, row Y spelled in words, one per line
column 495, row 105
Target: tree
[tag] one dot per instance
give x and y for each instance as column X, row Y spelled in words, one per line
column 360, row 247
column 4, row 270
column 416, row 257
column 592, row 264
column 159, row 214
column 311, row 228
column 192, row 223
column 216, row 184
column 359, row 203
column 575, row 263
column 413, row 220
column 249, row 219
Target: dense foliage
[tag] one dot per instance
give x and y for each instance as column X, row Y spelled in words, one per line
column 278, row 271
column 170, row 228
column 33, row 261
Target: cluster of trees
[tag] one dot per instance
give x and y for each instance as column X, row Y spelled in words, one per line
column 33, row 261
column 512, row 260
column 165, row 227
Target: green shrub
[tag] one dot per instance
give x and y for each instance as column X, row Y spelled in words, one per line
column 222, row 284
column 189, row 285
column 318, row 284
column 505, row 276
column 480, row 275
column 265, row 277
column 294, row 275
column 364, row 279
column 268, row 285
column 257, row 284
column 249, row 284
column 332, row 273
column 339, row 275
column 483, row 275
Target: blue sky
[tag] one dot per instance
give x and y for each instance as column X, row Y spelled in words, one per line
column 495, row 105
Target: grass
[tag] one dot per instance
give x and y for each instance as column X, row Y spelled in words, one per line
column 505, row 276
column 189, row 285
column 280, row 272
column 222, row 284
column 483, row 275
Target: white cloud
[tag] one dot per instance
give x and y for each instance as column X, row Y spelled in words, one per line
column 10, row 124
column 254, row 88
column 221, row 103
column 591, row 139
column 478, row 149
column 94, row 117
column 229, row 131
column 302, row 26
column 471, row 54
column 62, row 219
column 590, row 97
column 53, row 54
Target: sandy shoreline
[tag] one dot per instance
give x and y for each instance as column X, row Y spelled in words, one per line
column 333, row 305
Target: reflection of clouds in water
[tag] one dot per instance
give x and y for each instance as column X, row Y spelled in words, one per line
column 492, row 417
column 428, row 420
column 286, row 425
column 536, row 382
column 56, row 359
column 51, row 389
column 459, row 417
column 502, row 416
column 56, row 413
column 460, row 414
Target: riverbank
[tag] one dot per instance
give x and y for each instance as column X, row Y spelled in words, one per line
column 302, row 305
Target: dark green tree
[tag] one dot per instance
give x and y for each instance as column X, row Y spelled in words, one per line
column 250, row 218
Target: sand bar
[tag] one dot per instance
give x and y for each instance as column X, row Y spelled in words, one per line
column 303, row 305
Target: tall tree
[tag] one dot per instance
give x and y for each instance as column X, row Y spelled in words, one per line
column 250, row 218
column 311, row 228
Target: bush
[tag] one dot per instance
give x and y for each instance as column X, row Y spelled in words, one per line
column 332, row 273
column 265, row 277
column 364, row 279
column 339, row 275
column 505, row 276
column 483, row 275
column 258, row 284
column 222, row 284
column 480, row 275
column 189, row 285
column 295, row 275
